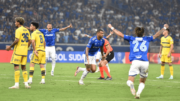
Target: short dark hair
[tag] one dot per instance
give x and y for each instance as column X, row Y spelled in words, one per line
column 35, row 24
column 139, row 31
column 20, row 20
column 100, row 29
column 168, row 30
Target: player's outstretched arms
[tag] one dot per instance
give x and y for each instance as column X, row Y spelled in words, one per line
column 116, row 31
column 12, row 45
column 111, row 33
column 63, row 29
column 161, row 31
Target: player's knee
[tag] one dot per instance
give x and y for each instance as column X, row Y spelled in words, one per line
column 162, row 64
column 170, row 64
column 93, row 70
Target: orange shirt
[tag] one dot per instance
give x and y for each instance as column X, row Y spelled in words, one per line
column 105, row 44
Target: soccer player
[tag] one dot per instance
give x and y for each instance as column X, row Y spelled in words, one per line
column 93, row 46
column 165, row 51
column 39, row 55
column 50, row 36
column 98, row 55
column 19, row 57
column 138, row 55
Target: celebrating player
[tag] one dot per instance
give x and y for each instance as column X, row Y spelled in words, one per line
column 50, row 36
column 138, row 55
column 98, row 55
column 19, row 57
column 165, row 53
column 93, row 46
column 38, row 56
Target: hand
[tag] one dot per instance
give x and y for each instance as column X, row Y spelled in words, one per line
column 166, row 25
column 169, row 55
column 27, row 27
column 109, row 25
column 85, row 35
column 159, row 55
column 111, row 32
column 8, row 48
column 36, row 53
column 103, row 57
column 70, row 26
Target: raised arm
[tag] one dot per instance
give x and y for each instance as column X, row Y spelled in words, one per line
column 63, row 29
column 111, row 32
column 161, row 31
column 87, row 36
column 116, row 31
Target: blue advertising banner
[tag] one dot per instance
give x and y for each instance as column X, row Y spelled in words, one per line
column 77, row 57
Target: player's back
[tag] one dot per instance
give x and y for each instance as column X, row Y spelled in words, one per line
column 39, row 40
column 21, row 48
column 138, row 47
column 166, row 44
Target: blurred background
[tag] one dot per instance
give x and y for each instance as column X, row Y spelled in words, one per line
column 87, row 16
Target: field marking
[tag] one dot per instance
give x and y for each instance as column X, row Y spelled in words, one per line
column 97, row 77
column 108, row 82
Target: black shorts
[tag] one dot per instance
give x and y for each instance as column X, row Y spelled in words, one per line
column 110, row 56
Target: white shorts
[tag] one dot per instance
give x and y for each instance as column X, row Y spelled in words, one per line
column 139, row 67
column 50, row 51
column 98, row 55
column 92, row 59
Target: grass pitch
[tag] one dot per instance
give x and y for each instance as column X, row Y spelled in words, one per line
column 64, row 86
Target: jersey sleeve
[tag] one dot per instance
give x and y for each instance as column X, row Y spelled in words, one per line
column 17, row 34
column 42, row 30
column 150, row 38
column 171, row 41
column 127, row 37
column 56, row 29
column 32, row 36
column 161, row 41
column 90, row 43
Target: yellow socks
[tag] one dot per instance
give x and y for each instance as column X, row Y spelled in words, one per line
column 162, row 70
column 171, row 70
column 16, row 75
column 31, row 72
column 25, row 75
column 43, row 73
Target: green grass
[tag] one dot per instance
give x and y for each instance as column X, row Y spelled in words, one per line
column 64, row 86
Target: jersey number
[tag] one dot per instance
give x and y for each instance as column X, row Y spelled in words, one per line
column 25, row 36
column 142, row 46
column 41, row 38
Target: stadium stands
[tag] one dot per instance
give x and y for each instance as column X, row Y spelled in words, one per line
column 88, row 15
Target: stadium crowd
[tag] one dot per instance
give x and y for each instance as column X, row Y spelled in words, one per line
column 88, row 15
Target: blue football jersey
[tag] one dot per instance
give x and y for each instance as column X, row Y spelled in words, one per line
column 138, row 47
column 49, row 36
column 94, row 45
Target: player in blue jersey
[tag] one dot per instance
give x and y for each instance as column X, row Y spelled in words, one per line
column 92, row 48
column 98, row 55
column 50, row 36
column 138, row 55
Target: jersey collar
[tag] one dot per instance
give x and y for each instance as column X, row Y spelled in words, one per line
column 166, row 36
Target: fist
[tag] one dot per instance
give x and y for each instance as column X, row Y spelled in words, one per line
column 70, row 26
column 8, row 48
column 166, row 25
column 111, row 32
column 109, row 25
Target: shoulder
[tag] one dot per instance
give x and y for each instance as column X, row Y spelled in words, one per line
column 93, row 38
column 169, row 37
